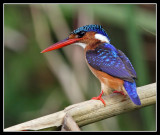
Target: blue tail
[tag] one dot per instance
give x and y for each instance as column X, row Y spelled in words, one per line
column 132, row 92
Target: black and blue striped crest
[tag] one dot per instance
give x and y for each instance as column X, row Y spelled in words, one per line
column 92, row 27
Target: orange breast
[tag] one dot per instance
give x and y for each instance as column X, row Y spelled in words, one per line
column 106, row 79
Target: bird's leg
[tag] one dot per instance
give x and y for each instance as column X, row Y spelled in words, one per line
column 99, row 98
column 121, row 92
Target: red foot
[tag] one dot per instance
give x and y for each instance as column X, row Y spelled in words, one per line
column 119, row 92
column 99, row 98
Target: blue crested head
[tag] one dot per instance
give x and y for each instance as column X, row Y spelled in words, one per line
column 92, row 27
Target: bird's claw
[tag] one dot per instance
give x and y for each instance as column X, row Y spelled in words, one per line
column 99, row 98
column 119, row 92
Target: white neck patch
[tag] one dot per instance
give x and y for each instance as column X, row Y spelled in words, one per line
column 102, row 38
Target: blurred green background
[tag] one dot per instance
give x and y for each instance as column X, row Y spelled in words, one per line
column 38, row 84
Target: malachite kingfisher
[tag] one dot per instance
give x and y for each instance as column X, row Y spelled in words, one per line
column 110, row 65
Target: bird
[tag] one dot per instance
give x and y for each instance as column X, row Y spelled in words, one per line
column 109, row 64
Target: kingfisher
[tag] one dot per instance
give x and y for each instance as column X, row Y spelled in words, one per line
column 109, row 64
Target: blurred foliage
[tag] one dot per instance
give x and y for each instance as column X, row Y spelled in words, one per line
column 34, row 83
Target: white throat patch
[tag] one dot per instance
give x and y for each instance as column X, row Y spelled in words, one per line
column 102, row 38
column 83, row 45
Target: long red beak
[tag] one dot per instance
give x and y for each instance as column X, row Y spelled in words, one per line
column 61, row 44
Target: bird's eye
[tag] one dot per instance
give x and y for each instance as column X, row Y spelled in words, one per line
column 81, row 34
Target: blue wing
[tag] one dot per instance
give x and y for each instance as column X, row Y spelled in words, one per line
column 108, row 59
column 127, row 63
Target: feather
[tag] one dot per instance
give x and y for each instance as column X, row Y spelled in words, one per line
column 127, row 63
column 108, row 59
column 132, row 92
column 92, row 27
